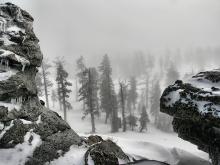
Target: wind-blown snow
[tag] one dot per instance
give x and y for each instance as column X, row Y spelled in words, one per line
column 19, row 155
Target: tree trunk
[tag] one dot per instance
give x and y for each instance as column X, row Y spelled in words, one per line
column 123, row 108
column 64, row 108
column 45, row 86
column 147, row 92
column 93, row 122
column 91, row 103
column 63, row 99
column 76, row 90
column 53, row 103
column 106, row 117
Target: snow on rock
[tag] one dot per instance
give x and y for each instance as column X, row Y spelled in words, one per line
column 7, row 74
column 26, row 121
column 8, row 54
column 11, row 106
column 195, row 106
column 6, row 128
column 38, row 120
column 21, row 152
column 15, row 29
column 74, row 156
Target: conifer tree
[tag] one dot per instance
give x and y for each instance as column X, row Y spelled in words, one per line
column 144, row 119
column 89, row 93
column 63, row 87
column 114, row 110
column 81, row 68
column 132, row 95
column 122, row 96
column 155, row 101
column 132, row 121
column 54, row 97
column 106, row 87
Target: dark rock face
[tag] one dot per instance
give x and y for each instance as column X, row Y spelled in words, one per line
column 28, row 130
column 195, row 106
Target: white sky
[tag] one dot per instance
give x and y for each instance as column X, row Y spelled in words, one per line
column 119, row 27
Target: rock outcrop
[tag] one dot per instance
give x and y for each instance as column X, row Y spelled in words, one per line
column 195, row 106
column 30, row 133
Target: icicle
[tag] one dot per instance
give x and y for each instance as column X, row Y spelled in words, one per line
column 1, row 61
column 23, row 67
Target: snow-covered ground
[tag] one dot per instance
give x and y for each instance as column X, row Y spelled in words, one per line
column 152, row 144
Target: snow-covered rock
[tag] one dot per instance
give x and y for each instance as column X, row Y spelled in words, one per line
column 30, row 133
column 195, row 106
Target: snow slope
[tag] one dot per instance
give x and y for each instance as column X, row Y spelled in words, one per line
column 153, row 144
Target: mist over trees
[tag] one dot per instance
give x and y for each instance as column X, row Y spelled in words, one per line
column 123, row 94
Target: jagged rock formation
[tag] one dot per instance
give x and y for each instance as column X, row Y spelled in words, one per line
column 23, row 120
column 30, row 133
column 195, row 106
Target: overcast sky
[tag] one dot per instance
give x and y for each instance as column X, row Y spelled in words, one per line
column 119, row 27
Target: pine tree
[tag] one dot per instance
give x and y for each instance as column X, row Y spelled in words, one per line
column 132, row 95
column 155, row 101
column 63, row 84
column 46, row 82
column 149, row 67
column 144, row 119
column 132, row 121
column 115, row 119
column 89, row 93
column 106, row 87
column 81, row 68
column 122, row 95
column 54, row 97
